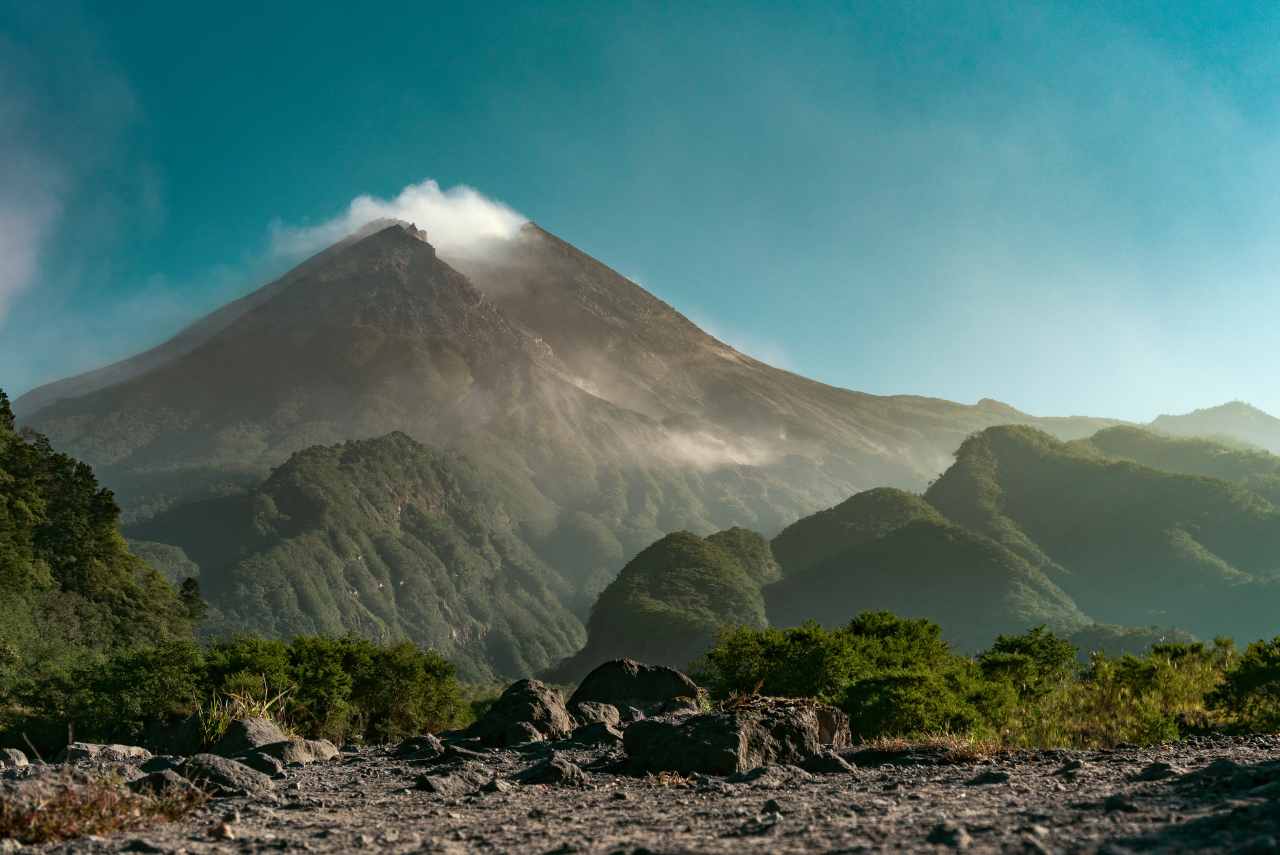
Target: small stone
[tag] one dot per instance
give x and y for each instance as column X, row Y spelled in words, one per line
column 1119, row 803
column 554, row 770
column 991, row 776
column 164, row 782
column 1157, row 771
column 950, row 834
column 827, row 762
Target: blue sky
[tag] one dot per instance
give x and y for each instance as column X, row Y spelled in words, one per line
column 1071, row 208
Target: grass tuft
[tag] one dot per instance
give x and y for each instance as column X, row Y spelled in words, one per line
column 67, row 808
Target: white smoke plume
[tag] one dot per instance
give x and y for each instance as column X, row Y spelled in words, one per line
column 456, row 220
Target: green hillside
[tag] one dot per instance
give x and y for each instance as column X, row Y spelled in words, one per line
column 70, row 588
column 386, row 539
column 1253, row 468
column 668, row 603
column 862, row 518
column 1132, row 545
column 924, row 567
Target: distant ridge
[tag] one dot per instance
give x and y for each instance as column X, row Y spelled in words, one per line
column 1236, row 420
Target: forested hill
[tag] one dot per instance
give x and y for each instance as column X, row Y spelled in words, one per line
column 69, row 586
column 386, row 539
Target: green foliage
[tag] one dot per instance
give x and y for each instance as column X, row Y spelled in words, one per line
column 668, row 603
column 1033, row 664
column 343, row 689
column 385, row 539
column 72, row 591
column 892, row 675
column 898, row 678
column 1123, row 539
column 1250, row 694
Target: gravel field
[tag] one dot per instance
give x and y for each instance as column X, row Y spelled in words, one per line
column 1212, row 794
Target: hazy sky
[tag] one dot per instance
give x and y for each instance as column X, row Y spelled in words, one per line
column 1073, row 208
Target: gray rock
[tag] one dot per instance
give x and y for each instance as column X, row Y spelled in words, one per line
column 833, row 728
column 423, row 747
column 1158, row 772
column 522, row 733
column 245, row 735
column 951, row 835
column 301, row 751
column 991, row 776
column 103, row 753
column 762, row 732
column 771, row 776
column 160, row 763
column 553, row 770
column 528, row 702
column 597, row 733
column 827, row 761
column 12, row 758
column 624, row 683
column 222, row 776
column 263, row 762
column 462, row 780
column 589, row 712
column 165, row 782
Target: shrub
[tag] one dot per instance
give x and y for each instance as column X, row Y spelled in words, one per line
column 897, row 678
column 1250, row 693
column 342, row 689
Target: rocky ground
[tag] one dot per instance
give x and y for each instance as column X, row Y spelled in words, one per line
column 531, row 778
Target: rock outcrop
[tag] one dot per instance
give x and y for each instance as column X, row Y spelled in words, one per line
column 758, row 732
column 626, row 684
column 527, row 711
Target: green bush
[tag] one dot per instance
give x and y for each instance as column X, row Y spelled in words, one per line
column 897, row 678
column 905, row 702
column 1250, row 692
column 343, row 689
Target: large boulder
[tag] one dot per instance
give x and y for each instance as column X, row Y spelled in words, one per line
column 301, row 751
column 221, row 776
column 526, row 711
column 626, row 683
column 93, row 752
column 754, row 733
column 247, row 735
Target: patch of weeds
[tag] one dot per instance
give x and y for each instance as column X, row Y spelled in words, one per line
column 66, row 808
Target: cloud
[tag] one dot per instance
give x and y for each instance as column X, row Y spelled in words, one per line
column 31, row 184
column 62, row 124
column 456, row 220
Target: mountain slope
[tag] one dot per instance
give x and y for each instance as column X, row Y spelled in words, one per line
column 69, row 585
column 1236, row 420
column 667, row 604
column 387, row 539
column 1131, row 545
column 1257, row 470
column 886, row 549
column 599, row 418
